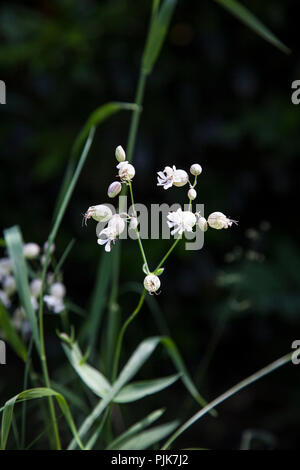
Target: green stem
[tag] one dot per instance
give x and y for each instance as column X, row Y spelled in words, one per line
column 122, row 332
column 137, row 231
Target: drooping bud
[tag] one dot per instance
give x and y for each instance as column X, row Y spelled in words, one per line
column 114, row 189
column 126, row 171
column 120, row 154
column 192, row 194
column 218, row 220
column 196, row 169
column 100, row 213
column 151, row 283
column 180, row 178
column 31, row 250
column 202, row 223
column 133, row 223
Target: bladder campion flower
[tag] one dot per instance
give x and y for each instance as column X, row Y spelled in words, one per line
column 126, row 171
column 100, row 213
column 172, row 176
column 114, row 189
column 152, row 283
column 181, row 221
column 31, row 250
column 218, row 220
column 196, row 169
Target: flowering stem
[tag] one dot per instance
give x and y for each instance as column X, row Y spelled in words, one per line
column 137, row 231
column 122, row 332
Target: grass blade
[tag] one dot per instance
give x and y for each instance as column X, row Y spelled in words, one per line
column 31, row 394
column 137, row 390
column 14, row 245
column 137, row 427
column 148, row 438
column 158, row 30
column 244, row 383
column 244, row 15
column 10, row 335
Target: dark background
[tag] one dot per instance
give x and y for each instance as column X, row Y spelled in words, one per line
column 219, row 95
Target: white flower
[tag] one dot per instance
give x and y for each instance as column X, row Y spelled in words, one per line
column 202, row 223
column 35, row 287
column 31, row 250
column 4, row 299
column 58, row 290
column 9, row 285
column 181, row 221
column 192, row 194
column 100, row 213
column 115, row 227
column 34, row 303
column 218, row 221
column 5, row 267
column 151, row 283
column 126, row 171
column 54, row 303
column 114, row 189
column 196, row 169
column 120, row 154
column 172, row 176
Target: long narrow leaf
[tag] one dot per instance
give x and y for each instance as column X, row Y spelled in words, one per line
column 147, row 438
column 137, row 390
column 137, row 427
column 14, row 245
column 10, row 335
column 31, row 394
column 244, row 15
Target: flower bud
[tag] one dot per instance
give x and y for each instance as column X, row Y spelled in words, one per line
column 180, row 178
column 192, row 194
column 120, row 154
column 114, row 189
column 35, row 287
column 133, row 223
column 151, row 283
column 31, row 250
column 196, row 169
column 100, row 213
column 202, row 223
column 218, row 220
column 126, row 171
column 58, row 290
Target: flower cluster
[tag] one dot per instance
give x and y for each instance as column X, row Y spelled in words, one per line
column 35, row 257
column 179, row 221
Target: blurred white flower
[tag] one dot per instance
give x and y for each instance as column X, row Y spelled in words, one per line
column 114, row 189
column 9, row 285
column 100, row 213
column 152, row 283
column 120, row 154
column 58, row 290
column 55, row 304
column 5, row 267
column 181, row 221
column 196, row 169
column 35, row 287
column 126, row 171
column 31, row 250
column 45, row 247
column 4, row 299
column 218, row 220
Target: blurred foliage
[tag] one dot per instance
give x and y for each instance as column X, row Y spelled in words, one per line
column 218, row 95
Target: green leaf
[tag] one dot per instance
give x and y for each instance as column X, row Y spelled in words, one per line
column 147, row 438
column 90, row 376
column 10, row 335
column 137, row 390
column 158, row 29
column 98, row 116
column 14, row 244
column 244, row 15
column 31, row 394
column 137, row 427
